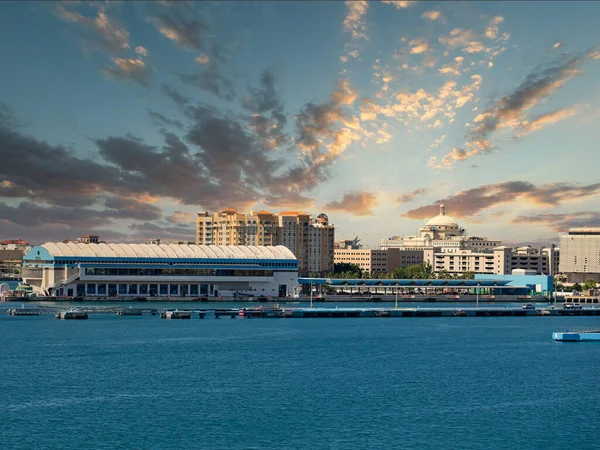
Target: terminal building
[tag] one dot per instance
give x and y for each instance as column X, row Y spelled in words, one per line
column 150, row 270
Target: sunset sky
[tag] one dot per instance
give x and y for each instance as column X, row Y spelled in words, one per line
column 124, row 119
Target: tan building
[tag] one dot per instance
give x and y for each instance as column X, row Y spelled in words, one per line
column 378, row 261
column 580, row 254
column 321, row 252
column 310, row 240
column 228, row 227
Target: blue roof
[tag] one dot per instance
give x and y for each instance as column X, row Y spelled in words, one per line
column 400, row 282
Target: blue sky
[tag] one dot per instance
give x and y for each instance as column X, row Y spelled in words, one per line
column 124, row 119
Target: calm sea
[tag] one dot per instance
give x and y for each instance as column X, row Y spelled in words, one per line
column 142, row 382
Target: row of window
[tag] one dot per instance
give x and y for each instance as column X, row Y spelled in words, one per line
column 178, row 272
column 113, row 290
column 212, row 263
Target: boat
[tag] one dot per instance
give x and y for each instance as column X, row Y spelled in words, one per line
column 577, row 335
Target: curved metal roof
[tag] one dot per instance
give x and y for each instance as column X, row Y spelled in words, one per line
column 171, row 251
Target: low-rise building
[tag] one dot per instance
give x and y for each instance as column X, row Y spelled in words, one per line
column 378, row 261
column 456, row 261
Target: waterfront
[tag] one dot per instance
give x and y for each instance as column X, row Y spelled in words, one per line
column 140, row 382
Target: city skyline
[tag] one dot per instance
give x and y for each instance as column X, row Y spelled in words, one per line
column 125, row 119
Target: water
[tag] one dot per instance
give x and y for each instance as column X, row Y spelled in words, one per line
column 142, row 382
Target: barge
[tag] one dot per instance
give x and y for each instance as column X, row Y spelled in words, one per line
column 577, row 336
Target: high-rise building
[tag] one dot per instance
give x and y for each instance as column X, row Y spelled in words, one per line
column 228, row 227
column 310, row 240
column 580, row 254
column 321, row 243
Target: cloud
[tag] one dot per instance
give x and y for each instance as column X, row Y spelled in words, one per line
column 561, row 222
column 404, row 198
column 101, row 32
column 418, row 46
column 452, row 69
column 141, row 51
column 174, row 233
column 178, row 24
column 433, row 15
column 355, row 203
column 467, row 40
column 354, row 23
column 509, row 111
column 202, row 59
column 541, row 121
column 473, row 201
column 399, row 4
column 133, row 69
column 492, row 30
column 182, row 217
column 30, row 214
column 130, row 208
column 211, row 80
column 160, row 120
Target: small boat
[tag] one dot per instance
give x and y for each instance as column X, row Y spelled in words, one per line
column 459, row 313
column 577, row 336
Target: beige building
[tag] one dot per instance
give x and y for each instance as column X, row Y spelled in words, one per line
column 456, row 261
column 544, row 261
column 228, row 227
column 373, row 261
column 580, row 254
column 310, row 240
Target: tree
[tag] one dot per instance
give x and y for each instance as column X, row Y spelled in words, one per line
column 589, row 284
column 346, row 270
column 577, row 287
column 356, row 243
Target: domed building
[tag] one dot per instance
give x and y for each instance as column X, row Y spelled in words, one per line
column 441, row 226
column 440, row 231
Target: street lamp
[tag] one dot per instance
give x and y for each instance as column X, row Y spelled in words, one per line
column 396, row 296
column 311, row 288
column 477, row 291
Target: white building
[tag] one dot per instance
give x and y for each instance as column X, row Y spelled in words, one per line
column 580, row 254
column 460, row 261
column 441, row 231
column 146, row 270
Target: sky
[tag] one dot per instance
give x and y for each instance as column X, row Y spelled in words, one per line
column 124, row 119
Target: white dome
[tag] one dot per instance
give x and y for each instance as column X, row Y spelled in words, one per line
column 442, row 220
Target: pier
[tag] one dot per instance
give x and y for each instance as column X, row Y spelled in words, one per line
column 276, row 311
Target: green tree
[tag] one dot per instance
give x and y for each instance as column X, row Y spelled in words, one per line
column 444, row 275
column 589, row 284
column 346, row 270
column 577, row 287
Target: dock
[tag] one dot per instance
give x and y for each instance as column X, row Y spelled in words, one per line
column 284, row 312
column 577, row 335
column 71, row 315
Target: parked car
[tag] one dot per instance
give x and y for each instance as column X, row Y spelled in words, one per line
column 572, row 306
column 528, row 306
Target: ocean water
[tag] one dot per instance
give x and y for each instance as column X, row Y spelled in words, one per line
column 145, row 383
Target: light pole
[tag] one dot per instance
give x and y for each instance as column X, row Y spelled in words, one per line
column 477, row 291
column 396, row 296
column 311, row 287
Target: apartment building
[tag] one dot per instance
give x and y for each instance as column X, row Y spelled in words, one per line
column 580, row 254
column 310, row 240
column 228, row 227
column 456, row 261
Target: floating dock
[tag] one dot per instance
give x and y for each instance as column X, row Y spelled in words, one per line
column 71, row 315
column 176, row 315
column 577, row 336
